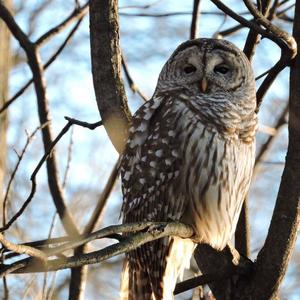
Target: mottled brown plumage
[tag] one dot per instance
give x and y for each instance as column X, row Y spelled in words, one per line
column 189, row 157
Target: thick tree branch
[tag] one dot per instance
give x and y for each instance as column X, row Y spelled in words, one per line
column 106, row 68
column 274, row 257
column 34, row 63
column 110, row 93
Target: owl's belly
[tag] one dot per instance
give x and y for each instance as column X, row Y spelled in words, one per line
column 215, row 182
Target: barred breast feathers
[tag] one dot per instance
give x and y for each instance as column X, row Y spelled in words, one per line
column 216, row 175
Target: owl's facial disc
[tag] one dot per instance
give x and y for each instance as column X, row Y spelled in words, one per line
column 223, row 71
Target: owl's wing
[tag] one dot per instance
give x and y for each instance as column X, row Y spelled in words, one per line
column 150, row 166
column 150, row 162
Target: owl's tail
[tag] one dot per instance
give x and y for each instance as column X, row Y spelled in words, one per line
column 156, row 277
column 135, row 284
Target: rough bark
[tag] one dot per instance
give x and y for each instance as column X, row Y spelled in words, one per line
column 273, row 260
column 106, row 67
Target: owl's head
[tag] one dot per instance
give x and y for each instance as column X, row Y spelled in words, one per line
column 209, row 68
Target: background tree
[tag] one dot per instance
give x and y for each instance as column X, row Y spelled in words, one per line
column 85, row 158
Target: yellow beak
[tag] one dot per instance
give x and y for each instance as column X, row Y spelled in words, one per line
column 203, row 85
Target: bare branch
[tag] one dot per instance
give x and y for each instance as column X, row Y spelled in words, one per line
column 20, row 157
column 69, row 159
column 22, row 249
column 46, row 156
column 130, row 81
column 265, row 147
column 34, row 63
column 106, row 67
column 176, row 13
column 78, row 13
column 155, row 231
column 194, row 24
column 274, row 257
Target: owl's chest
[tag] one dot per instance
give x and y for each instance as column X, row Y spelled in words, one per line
column 215, row 177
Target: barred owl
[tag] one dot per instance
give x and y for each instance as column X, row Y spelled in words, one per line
column 189, row 158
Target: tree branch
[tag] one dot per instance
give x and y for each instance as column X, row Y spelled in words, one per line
column 131, row 83
column 154, row 231
column 46, row 157
column 195, row 19
column 78, row 13
column 34, row 63
column 22, row 249
column 273, row 259
column 106, row 67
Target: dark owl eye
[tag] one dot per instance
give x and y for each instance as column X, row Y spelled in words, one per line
column 221, row 69
column 189, row 69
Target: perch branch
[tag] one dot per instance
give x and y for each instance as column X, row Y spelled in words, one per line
column 155, row 231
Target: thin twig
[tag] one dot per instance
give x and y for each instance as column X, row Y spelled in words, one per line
column 131, row 83
column 48, row 154
column 20, row 157
column 78, row 13
column 173, row 14
column 44, row 289
column 34, row 62
column 266, row 146
column 140, row 6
